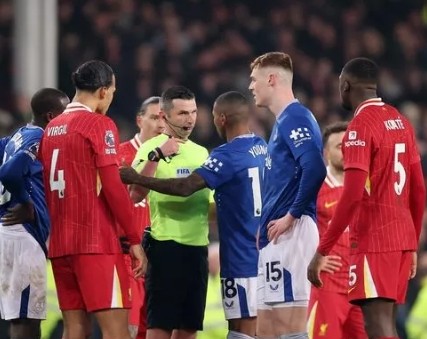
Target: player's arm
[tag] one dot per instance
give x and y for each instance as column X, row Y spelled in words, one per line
column 102, row 138
column 3, row 143
column 417, row 196
column 12, row 173
column 309, row 157
column 417, row 190
column 176, row 186
column 147, row 166
column 313, row 173
column 357, row 164
column 213, row 219
column 138, row 193
column 307, row 154
column 118, row 201
column 354, row 186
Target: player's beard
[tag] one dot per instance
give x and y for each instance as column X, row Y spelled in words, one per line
column 338, row 165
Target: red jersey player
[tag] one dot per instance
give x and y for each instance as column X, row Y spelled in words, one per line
column 343, row 320
column 382, row 202
column 84, row 195
column 150, row 124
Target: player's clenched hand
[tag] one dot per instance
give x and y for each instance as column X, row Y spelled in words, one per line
column 128, row 175
column 170, row 147
column 279, row 226
column 413, row 270
column 139, row 260
column 19, row 214
column 330, row 263
column 313, row 270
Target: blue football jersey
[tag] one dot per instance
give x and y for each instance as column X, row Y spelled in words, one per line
column 234, row 170
column 27, row 140
column 295, row 132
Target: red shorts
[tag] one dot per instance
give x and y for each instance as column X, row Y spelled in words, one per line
column 379, row 275
column 137, row 314
column 330, row 315
column 91, row 282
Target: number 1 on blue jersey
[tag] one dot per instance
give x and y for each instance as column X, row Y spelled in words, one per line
column 253, row 173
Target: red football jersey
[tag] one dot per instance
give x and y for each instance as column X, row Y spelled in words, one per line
column 127, row 152
column 74, row 146
column 380, row 141
column 327, row 200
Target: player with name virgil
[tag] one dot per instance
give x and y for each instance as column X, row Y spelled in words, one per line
column 86, row 198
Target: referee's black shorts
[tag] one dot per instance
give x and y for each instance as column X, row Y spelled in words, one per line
column 176, row 285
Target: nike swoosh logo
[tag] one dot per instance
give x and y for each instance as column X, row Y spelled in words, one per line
column 351, row 289
column 330, row 204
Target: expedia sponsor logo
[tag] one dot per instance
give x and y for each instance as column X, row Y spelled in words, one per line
column 357, row 142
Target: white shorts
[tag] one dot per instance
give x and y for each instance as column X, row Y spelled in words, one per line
column 23, row 275
column 239, row 298
column 282, row 267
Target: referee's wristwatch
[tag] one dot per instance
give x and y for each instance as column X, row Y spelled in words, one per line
column 153, row 156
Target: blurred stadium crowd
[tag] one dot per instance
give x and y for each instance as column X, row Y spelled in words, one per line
column 208, row 44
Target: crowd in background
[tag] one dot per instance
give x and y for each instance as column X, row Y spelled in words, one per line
column 207, row 45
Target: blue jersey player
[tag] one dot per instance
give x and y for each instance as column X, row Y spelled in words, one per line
column 293, row 175
column 234, row 170
column 24, row 220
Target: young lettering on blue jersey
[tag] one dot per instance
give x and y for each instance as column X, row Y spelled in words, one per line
column 21, row 178
column 294, row 169
column 235, row 170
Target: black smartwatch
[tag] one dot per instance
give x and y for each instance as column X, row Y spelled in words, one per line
column 153, row 156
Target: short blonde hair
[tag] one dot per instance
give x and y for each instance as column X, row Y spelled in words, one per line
column 273, row 59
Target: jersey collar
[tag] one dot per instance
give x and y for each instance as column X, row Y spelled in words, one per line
column 76, row 106
column 136, row 141
column 330, row 180
column 34, row 126
column 369, row 102
column 248, row 135
column 286, row 106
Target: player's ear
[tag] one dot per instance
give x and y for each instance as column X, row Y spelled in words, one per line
column 325, row 152
column 271, row 80
column 139, row 120
column 346, row 86
column 50, row 116
column 102, row 92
